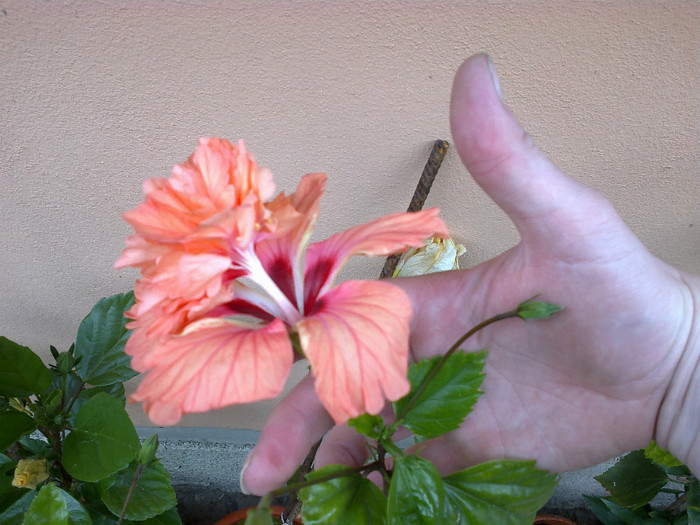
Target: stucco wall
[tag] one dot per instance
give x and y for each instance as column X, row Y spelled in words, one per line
column 97, row 96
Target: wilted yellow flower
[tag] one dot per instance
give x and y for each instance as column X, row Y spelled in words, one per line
column 18, row 405
column 436, row 255
column 29, row 473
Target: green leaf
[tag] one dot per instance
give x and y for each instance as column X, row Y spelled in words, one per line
column 107, row 519
column 693, row 502
column 22, row 373
column 258, row 517
column 77, row 514
column 262, row 514
column 116, row 391
column 599, row 507
column 102, row 442
column 626, row 515
column 683, row 520
column 416, row 494
column 8, row 494
column 59, row 499
column 99, row 513
column 663, row 457
column 504, row 492
column 34, row 447
column 48, row 508
column 367, row 425
column 634, row 480
column 342, row 500
column 152, row 495
column 13, row 425
column 100, row 342
column 7, row 467
column 73, row 383
column 14, row 514
column 169, row 517
column 447, row 398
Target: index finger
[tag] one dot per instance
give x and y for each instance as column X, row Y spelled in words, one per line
column 296, row 423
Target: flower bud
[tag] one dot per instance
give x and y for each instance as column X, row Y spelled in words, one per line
column 148, row 450
column 537, row 310
column 65, row 363
column 29, row 473
column 436, row 255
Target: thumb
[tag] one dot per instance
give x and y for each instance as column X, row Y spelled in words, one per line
column 504, row 161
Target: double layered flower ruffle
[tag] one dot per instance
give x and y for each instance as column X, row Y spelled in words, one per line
column 228, row 281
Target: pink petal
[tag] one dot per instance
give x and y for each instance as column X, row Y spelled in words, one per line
column 218, row 177
column 390, row 234
column 215, row 364
column 226, row 174
column 182, row 282
column 280, row 249
column 199, row 275
column 357, row 343
column 140, row 253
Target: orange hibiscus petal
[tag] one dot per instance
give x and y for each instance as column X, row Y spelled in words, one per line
column 217, row 177
column 357, row 343
column 280, row 249
column 389, row 234
column 215, row 364
column 140, row 253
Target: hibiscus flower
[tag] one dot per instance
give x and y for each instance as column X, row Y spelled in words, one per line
column 230, row 290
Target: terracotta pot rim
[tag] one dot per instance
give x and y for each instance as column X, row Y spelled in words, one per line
column 238, row 516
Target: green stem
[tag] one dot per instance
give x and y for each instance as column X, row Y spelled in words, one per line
column 385, row 444
column 295, row 487
column 428, row 378
column 75, row 398
column 132, row 487
column 63, row 392
column 381, row 453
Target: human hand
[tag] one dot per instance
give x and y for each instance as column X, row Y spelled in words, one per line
column 610, row 372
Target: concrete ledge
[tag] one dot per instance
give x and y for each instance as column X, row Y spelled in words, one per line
column 205, row 465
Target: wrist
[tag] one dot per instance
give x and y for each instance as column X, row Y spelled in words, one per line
column 678, row 421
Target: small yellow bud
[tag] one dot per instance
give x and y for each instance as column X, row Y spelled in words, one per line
column 436, row 255
column 29, row 473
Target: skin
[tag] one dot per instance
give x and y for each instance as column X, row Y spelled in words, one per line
column 616, row 368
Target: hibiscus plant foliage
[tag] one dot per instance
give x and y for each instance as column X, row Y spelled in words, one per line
column 635, row 481
column 444, row 390
column 70, row 453
column 232, row 291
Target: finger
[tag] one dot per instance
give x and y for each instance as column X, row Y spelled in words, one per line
column 342, row 446
column 296, row 423
column 504, row 161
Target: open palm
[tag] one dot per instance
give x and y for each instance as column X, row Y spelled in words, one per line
column 570, row 391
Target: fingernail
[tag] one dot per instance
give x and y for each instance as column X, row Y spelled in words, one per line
column 244, row 490
column 494, row 78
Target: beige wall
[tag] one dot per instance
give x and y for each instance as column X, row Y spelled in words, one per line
column 97, row 96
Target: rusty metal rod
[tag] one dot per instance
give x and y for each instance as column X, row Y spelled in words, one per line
column 422, row 189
